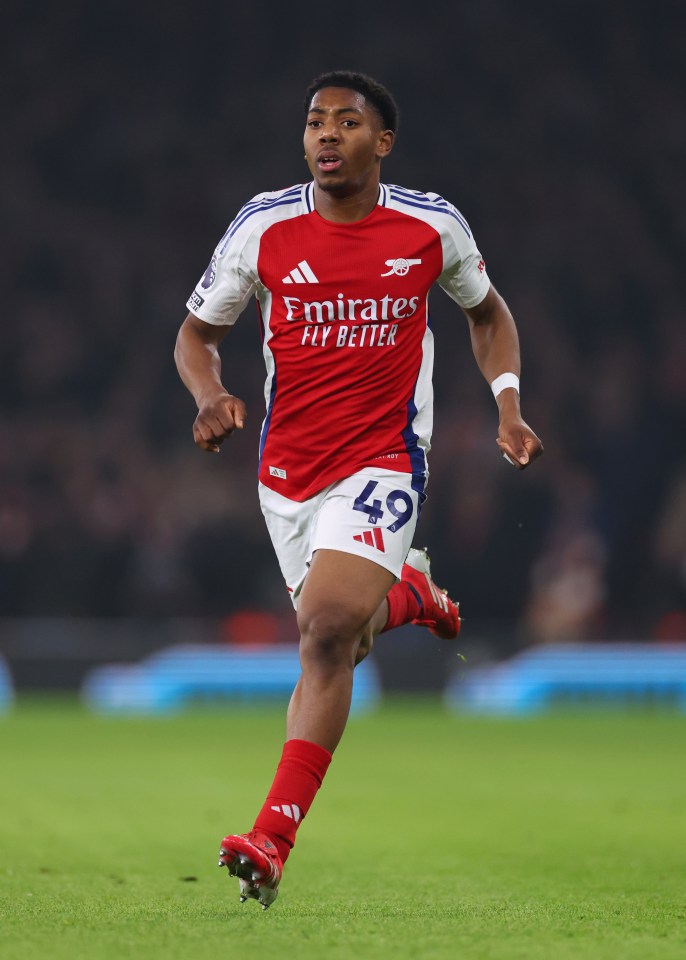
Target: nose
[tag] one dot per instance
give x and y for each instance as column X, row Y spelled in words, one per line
column 328, row 133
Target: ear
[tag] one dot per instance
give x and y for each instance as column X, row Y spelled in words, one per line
column 385, row 143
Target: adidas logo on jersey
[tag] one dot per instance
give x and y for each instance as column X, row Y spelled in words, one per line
column 303, row 273
column 372, row 538
column 290, row 810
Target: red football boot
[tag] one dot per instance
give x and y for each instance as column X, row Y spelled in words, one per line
column 253, row 858
column 439, row 613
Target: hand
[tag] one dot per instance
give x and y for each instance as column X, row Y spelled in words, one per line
column 517, row 442
column 217, row 418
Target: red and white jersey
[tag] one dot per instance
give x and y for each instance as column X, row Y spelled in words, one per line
column 345, row 325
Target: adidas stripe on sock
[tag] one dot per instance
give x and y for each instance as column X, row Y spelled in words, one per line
column 298, row 777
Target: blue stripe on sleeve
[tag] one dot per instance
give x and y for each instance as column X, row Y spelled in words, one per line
column 257, row 206
column 427, row 204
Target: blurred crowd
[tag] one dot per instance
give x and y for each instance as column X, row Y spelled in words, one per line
column 136, row 132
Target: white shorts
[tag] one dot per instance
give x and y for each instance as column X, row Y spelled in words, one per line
column 371, row 514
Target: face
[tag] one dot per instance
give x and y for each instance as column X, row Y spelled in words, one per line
column 344, row 141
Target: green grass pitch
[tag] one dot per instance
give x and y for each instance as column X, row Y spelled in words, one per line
column 435, row 836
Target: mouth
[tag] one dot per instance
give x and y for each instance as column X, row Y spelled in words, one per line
column 329, row 160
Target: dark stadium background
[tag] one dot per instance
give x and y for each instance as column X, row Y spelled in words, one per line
column 133, row 132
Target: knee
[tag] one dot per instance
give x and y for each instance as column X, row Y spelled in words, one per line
column 330, row 638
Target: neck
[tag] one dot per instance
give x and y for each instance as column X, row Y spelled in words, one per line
column 346, row 208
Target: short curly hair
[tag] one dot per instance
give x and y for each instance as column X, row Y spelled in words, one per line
column 374, row 92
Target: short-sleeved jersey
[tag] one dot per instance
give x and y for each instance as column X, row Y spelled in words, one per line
column 345, row 327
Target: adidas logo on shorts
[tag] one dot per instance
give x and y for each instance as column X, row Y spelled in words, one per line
column 373, row 538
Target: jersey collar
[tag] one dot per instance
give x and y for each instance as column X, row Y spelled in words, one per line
column 308, row 196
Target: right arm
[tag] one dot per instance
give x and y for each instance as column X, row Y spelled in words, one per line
column 199, row 365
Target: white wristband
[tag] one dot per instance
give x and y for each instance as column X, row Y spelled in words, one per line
column 503, row 381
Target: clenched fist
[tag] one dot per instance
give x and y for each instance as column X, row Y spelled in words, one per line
column 217, row 418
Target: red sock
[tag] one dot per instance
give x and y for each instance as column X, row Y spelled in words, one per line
column 404, row 605
column 298, row 777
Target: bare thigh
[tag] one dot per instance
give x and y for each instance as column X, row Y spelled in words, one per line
column 341, row 594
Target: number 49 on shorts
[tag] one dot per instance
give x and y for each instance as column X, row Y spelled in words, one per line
column 375, row 511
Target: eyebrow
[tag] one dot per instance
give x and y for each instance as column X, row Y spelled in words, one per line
column 338, row 110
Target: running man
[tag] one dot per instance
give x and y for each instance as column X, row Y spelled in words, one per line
column 341, row 268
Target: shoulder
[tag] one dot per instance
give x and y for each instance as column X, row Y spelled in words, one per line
column 275, row 198
column 263, row 210
column 430, row 207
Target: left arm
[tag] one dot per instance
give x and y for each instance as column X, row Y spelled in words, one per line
column 496, row 349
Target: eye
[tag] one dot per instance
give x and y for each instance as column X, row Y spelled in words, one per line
column 350, row 123
column 314, row 123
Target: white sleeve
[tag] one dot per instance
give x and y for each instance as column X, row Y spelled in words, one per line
column 464, row 276
column 231, row 278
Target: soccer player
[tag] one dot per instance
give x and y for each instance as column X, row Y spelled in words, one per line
column 341, row 268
